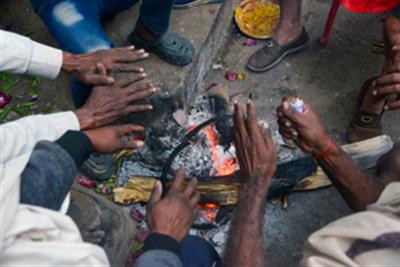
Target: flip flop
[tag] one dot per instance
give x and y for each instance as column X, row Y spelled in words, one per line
column 99, row 167
column 170, row 47
column 180, row 4
column 364, row 124
column 272, row 54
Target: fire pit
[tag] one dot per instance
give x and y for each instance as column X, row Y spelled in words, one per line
column 201, row 141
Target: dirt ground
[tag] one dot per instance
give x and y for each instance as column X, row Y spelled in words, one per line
column 328, row 78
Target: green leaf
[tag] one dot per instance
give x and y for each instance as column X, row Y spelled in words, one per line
column 8, row 86
column 5, row 76
column 4, row 113
column 27, row 33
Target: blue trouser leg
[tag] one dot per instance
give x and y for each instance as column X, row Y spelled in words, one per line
column 197, row 252
column 76, row 25
column 156, row 14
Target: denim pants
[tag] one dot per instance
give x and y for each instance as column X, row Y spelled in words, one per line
column 76, row 25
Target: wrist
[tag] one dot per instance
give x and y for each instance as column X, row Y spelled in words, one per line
column 70, row 61
column 323, row 144
column 85, row 118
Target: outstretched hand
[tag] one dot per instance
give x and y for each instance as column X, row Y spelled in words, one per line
column 84, row 67
column 388, row 84
column 255, row 149
column 305, row 129
column 111, row 139
column 107, row 104
column 173, row 215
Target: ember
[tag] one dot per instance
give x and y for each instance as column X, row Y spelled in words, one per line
column 224, row 163
column 208, row 211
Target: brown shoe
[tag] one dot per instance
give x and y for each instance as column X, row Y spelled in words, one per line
column 364, row 124
column 272, row 54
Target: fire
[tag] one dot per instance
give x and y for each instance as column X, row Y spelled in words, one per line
column 223, row 166
column 208, row 210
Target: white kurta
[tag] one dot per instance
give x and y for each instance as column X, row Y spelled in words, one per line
column 29, row 235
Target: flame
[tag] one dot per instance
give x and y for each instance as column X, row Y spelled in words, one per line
column 223, row 166
column 208, row 210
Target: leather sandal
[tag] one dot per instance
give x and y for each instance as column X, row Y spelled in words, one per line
column 364, row 124
column 273, row 53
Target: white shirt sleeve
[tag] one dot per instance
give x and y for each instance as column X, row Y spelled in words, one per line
column 20, row 136
column 21, row 55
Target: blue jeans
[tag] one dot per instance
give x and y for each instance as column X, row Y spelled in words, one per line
column 197, row 252
column 76, row 25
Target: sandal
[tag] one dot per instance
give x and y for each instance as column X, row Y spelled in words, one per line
column 364, row 124
column 99, row 167
column 272, row 54
column 194, row 3
column 170, row 47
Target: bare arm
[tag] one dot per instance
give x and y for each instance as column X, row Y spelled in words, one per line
column 257, row 157
column 245, row 244
column 307, row 131
column 356, row 187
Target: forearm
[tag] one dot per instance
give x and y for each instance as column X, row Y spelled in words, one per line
column 356, row 186
column 245, row 244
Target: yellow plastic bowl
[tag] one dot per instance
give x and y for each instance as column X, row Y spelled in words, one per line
column 257, row 18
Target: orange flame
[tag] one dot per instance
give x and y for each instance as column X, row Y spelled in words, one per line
column 208, row 210
column 224, row 166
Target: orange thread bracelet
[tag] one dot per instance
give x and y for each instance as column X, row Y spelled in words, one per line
column 327, row 151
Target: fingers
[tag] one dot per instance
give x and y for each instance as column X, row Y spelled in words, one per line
column 128, row 68
column 101, row 69
column 96, row 79
column 157, row 193
column 239, row 122
column 128, row 129
column 141, row 94
column 138, row 108
column 393, row 106
column 386, row 90
column 252, row 124
column 131, row 79
column 176, row 185
column 190, row 189
column 194, row 200
column 129, row 55
column 289, row 112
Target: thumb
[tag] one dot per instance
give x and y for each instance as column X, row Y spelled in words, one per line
column 157, row 193
column 290, row 112
column 101, row 69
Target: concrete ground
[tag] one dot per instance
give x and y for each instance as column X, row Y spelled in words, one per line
column 329, row 78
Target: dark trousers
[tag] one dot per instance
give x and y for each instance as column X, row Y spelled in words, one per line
column 76, row 25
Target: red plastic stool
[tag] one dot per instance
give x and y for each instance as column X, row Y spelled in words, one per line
column 329, row 22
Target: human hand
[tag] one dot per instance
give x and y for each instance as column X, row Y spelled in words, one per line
column 173, row 215
column 108, row 140
column 389, row 84
column 107, row 104
column 84, row 67
column 255, row 149
column 305, row 129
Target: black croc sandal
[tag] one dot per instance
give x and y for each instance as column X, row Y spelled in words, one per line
column 170, row 47
column 99, row 167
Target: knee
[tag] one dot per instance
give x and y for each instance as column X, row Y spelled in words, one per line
column 66, row 14
column 389, row 164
